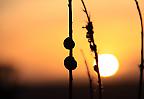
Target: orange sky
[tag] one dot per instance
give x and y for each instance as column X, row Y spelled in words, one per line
column 32, row 34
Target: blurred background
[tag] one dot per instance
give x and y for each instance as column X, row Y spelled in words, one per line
column 32, row 53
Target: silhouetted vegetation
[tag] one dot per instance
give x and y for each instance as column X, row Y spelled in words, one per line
column 89, row 76
column 10, row 88
column 141, row 64
column 93, row 47
column 69, row 62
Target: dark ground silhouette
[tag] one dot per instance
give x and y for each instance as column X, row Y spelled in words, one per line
column 120, row 91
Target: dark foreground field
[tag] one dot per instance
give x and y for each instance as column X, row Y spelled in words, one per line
column 122, row 91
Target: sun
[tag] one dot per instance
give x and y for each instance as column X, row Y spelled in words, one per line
column 108, row 64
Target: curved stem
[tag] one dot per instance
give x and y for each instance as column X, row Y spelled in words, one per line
column 93, row 47
column 89, row 76
column 99, row 76
column 141, row 65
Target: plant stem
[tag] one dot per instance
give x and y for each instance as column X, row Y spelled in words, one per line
column 93, row 47
column 99, row 77
column 89, row 77
column 70, row 53
column 70, row 84
column 141, row 65
column 70, row 18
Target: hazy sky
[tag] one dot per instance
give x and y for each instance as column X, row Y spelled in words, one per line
column 32, row 34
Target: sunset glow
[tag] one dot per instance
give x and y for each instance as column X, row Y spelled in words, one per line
column 32, row 34
column 108, row 65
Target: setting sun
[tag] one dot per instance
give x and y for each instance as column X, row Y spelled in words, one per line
column 108, row 64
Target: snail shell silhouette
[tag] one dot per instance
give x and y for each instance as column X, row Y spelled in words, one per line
column 70, row 63
column 69, row 43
